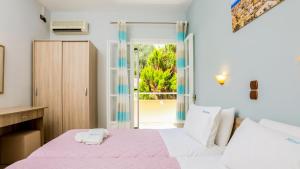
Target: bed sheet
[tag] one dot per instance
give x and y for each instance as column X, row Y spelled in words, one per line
column 204, row 162
column 179, row 144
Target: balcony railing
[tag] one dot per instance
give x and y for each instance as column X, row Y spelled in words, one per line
column 156, row 112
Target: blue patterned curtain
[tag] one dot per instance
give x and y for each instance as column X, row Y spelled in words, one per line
column 181, row 28
column 122, row 88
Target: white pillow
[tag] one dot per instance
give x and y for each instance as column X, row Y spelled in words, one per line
column 256, row 147
column 281, row 127
column 225, row 126
column 202, row 124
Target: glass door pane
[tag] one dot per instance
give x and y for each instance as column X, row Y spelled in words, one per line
column 155, row 85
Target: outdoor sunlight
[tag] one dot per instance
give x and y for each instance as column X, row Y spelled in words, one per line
column 156, row 85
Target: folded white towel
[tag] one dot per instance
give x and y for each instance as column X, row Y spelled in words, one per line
column 94, row 139
column 91, row 137
column 99, row 131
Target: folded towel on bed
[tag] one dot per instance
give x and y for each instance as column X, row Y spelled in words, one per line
column 99, row 131
column 91, row 137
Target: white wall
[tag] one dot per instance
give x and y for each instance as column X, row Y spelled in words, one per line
column 101, row 31
column 265, row 50
column 20, row 24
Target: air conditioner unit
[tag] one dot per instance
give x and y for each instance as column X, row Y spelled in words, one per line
column 70, row 27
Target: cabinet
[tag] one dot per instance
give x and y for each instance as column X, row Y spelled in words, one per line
column 65, row 81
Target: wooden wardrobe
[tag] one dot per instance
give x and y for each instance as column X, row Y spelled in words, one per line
column 65, row 80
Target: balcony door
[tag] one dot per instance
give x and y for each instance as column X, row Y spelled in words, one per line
column 152, row 83
column 155, row 84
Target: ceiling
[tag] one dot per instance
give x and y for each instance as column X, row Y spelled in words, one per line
column 82, row 5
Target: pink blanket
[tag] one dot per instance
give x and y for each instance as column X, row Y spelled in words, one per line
column 124, row 149
column 120, row 144
column 112, row 163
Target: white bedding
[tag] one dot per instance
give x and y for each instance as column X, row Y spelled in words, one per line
column 204, row 162
column 180, row 144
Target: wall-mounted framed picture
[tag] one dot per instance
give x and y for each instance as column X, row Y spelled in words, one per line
column 2, row 56
column 245, row 11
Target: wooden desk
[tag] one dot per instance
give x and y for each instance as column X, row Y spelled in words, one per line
column 21, row 118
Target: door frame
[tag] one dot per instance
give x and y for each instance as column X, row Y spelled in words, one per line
column 109, row 122
column 145, row 42
column 131, row 81
column 190, row 67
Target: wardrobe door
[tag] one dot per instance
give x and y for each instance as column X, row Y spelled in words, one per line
column 75, row 85
column 47, row 84
column 93, row 86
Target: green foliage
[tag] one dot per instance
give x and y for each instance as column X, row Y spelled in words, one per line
column 159, row 73
column 144, row 51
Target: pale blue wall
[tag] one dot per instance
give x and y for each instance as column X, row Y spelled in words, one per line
column 19, row 24
column 265, row 50
column 102, row 31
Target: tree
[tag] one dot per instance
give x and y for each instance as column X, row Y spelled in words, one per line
column 144, row 51
column 159, row 73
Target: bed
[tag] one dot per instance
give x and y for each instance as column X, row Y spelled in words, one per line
column 127, row 144
column 132, row 149
column 260, row 145
column 129, row 149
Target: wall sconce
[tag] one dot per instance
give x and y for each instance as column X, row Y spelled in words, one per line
column 221, row 78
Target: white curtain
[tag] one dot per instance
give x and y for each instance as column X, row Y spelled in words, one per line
column 122, row 113
column 181, row 28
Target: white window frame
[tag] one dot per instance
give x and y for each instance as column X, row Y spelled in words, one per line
column 112, row 124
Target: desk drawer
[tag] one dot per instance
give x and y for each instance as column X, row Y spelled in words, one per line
column 19, row 117
column 27, row 116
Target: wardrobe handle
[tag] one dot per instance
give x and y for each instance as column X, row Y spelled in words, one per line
column 36, row 92
column 86, row 91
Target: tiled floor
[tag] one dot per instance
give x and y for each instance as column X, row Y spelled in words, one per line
column 157, row 114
